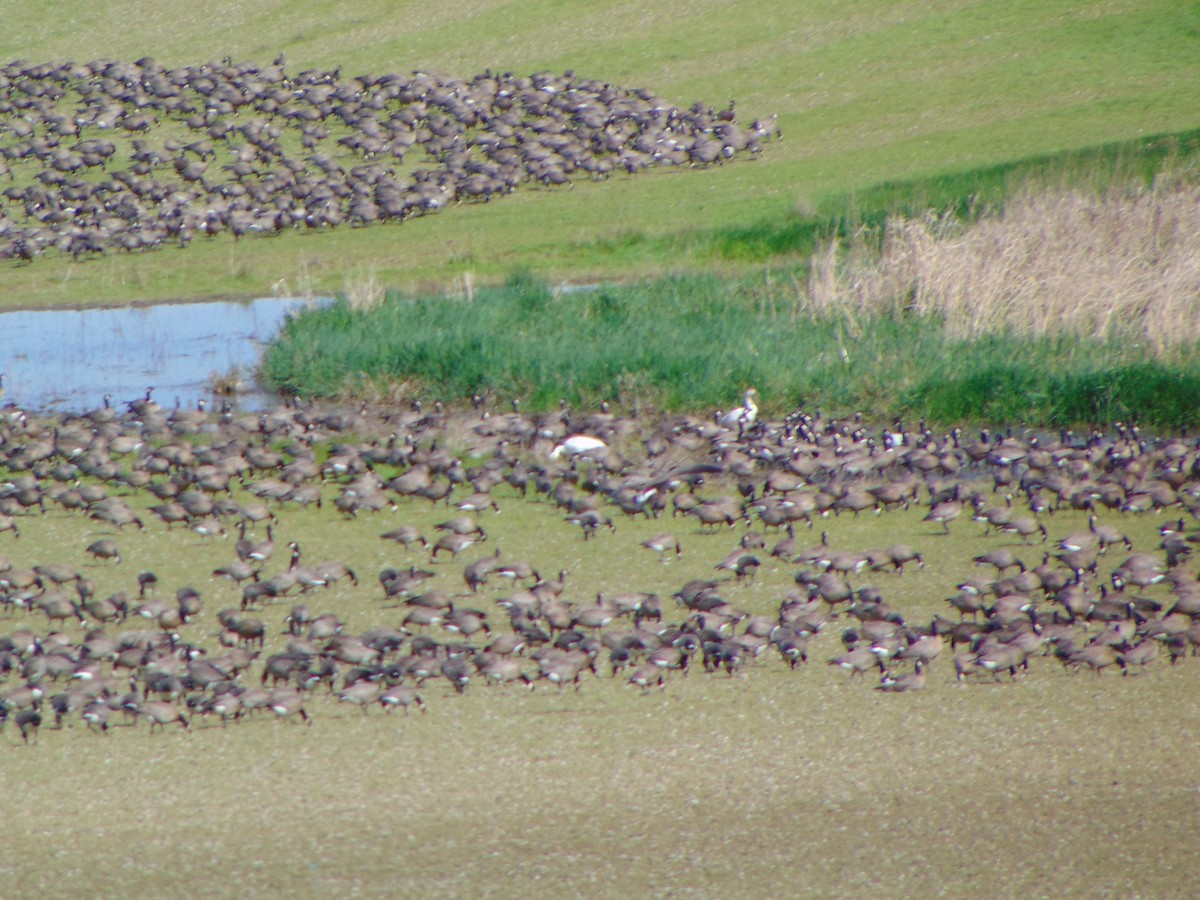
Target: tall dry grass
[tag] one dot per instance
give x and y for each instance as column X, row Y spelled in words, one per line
column 1117, row 264
column 363, row 290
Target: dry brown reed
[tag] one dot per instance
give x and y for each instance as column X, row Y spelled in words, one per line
column 1120, row 263
column 363, row 290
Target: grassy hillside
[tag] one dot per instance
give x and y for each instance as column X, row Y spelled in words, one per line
column 866, row 93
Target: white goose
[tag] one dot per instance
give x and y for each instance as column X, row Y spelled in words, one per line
column 741, row 416
column 577, row 444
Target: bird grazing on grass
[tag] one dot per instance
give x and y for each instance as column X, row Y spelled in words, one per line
column 104, row 549
column 662, row 544
column 28, row 721
column 911, row 681
column 858, row 661
column 647, row 676
column 406, row 535
column 8, row 523
column 577, row 445
column 401, row 695
column 591, row 522
column 453, row 544
column 944, row 513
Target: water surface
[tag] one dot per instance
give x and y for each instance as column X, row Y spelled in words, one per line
column 67, row 360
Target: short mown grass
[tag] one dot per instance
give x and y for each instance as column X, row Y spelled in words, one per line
column 714, row 786
column 872, row 96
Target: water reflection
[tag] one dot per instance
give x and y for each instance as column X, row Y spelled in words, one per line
column 67, row 360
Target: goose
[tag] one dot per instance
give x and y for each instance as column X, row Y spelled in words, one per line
column 467, row 622
column 209, row 526
column 743, row 565
column 102, row 415
column 1107, row 535
column 406, row 535
column 786, row 548
column 741, row 417
column 143, row 406
column 453, row 544
column 364, row 694
column 305, row 576
column 146, row 581
column 944, row 513
column 647, row 676
column 1097, row 656
column 280, row 667
column 1002, row 559
column 591, row 522
column 518, row 570
column 1080, row 541
column 1026, row 527
column 58, row 607
column 401, row 695
column 858, row 661
column 912, row 681
column 237, row 571
column 810, row 556
column 28, row 721
column 161, row 713
column 792, row 647
column 402, row 583
column 1139, row 655
column 118, row 513
column 902, row 554
column 105, row 549
column 254, row 551
column 924, row 649
column 58, row 573
column 114, row 609
column 478, row 502
column 661, row 544
column 463, row 525
column 457, row 670
column 287, row 701
column 577, row 445
column 96, row 714
column 476, row 573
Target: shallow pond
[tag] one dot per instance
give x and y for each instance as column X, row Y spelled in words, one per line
column 67, row 360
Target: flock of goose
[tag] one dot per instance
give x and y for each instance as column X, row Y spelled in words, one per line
column 112, row 155
column 457, row 611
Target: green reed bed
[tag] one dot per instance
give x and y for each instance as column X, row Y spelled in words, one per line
column 697, row 342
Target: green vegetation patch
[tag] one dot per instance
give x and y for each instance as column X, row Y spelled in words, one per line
column 696, row 342
column 1149, row 393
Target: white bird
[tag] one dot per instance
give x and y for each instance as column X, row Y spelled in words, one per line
column 577, row 444
column 741, row 416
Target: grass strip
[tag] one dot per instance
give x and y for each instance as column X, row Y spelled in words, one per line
column 696, row 342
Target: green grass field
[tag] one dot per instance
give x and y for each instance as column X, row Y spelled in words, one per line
column 716, row 784
column 867, row 93
column 761, row 784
